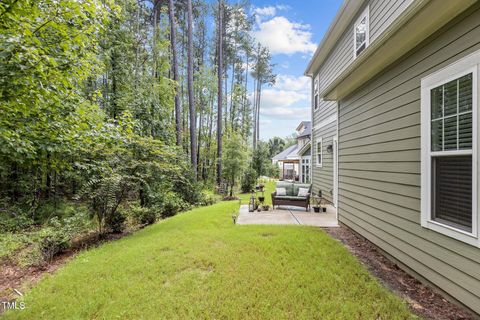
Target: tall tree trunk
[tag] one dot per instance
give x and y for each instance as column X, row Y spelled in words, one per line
column 178, row 110
column 191, row 97
column 220, row 92
column 258, row 111
column 200, row 128
column 225, row 78
column 254, row 113
column 245, row 100
column 232, row 87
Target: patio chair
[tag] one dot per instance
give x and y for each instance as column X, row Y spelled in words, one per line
column 291, row 198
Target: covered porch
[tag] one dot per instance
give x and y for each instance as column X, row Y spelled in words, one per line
column 289, row 215
column 289, row 170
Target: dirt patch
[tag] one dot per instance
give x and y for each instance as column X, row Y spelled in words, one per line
column 13, row 276
column 422, row 299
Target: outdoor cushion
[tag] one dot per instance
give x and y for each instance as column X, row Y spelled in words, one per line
column 281, row 191
column 297, row 186
column 303, row 192
column 290, row 198
column 288, row 186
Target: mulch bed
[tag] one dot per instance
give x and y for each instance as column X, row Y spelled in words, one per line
column 422, row 299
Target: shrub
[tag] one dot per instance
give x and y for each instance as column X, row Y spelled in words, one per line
column 143, row 215
column 14, row 222
column 249, row 179
column 172, row 204
column 53, row 239
column 115, row 222
column 208, row 199
column 272, row 170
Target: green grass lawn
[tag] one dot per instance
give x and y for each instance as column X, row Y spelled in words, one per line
column 200, row 265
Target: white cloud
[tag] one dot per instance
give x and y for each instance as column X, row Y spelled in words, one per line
column 287, row 113
column 269, row 11
column 272, row 98
column 282, row 36
column 289, row 98
column 288, row 82
column 262, row 13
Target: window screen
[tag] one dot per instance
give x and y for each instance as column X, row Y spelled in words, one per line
column 451, row 130
column 452, row 191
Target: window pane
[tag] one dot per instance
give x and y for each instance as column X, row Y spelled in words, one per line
column 452, row 191
column 465, row 131
column 450, row 133
column 361, row 33
column 465, row 93
column 437, row 102
column 437, row 137
column 450, row 98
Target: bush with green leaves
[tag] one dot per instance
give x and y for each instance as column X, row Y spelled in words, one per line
column 143, row 215
column 272, row 170
column 249, row 179
column 172, row 204
column 234, row 159
column 14, row 219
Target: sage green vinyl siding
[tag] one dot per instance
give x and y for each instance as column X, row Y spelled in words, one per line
column 379, row 164
column 382, row 13
column 322, row 177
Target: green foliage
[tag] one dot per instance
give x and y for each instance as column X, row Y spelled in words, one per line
column 234, row 159
column 143, row 215
column 115, row 222
column 12, row 242
column 272, row 170
column 14, row 220
column 172, row 204
column 261, row 159
column 249, row 179
column 48, row 48
column 53, row 239
column 275, row 146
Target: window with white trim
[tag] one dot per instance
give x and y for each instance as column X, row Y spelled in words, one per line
column 319, row 152
column 449, row 150
column 316, row 93
column 361, row 33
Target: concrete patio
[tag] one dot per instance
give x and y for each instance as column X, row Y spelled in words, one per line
column 285, row 215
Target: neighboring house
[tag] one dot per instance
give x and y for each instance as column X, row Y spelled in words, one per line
column 294, row 161
column 396, row 84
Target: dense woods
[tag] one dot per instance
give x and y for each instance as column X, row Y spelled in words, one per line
column 120, row 108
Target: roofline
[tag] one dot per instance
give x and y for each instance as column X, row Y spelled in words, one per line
column 305, row 147
column 342, row 20
column 302, row 122
column 421, row 19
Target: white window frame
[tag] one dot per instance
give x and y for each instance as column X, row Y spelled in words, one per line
column 464, row 66
column 316, row 93
column 317, row 152
column 365, row 14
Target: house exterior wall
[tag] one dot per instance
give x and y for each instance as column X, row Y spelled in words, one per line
column 324, row 129
column 381, row 14
column 379, row 164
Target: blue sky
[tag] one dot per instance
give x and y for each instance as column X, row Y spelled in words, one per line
column 292, row 31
